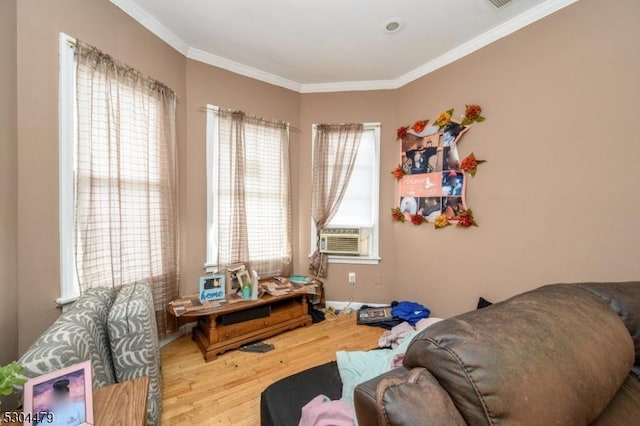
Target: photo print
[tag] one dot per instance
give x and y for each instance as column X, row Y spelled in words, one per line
column 429, row 207
column 452, row 132
column 452, row 206
column 452, row 183
column 409, row 205
column 211, row 283
column 61, row 397
column 450, row 158
column 418, row 161
column 406, row 164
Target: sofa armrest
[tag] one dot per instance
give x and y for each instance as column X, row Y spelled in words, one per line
column 624, row 299
column 402, row 397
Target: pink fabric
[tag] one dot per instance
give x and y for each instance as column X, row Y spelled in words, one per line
column 392, row 338
column 321, row 411
column 426, row 322
column 397, row 361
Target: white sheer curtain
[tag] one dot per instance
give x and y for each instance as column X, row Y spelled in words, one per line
column 252, row 199
column 334, row 154
column 126, row 197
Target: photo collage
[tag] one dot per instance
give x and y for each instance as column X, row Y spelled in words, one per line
column 433, row 183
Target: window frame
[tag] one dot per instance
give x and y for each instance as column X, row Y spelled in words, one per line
column 212, row 156
column 69, row 285
column 373, row 258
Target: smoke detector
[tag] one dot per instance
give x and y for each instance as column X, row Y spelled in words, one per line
column 393, row 25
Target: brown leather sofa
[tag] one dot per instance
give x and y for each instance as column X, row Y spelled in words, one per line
column 563, row 354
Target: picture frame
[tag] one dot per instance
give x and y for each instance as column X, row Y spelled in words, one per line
column 245, row 279
column 212, row 287
column 64, row 396
column 233, row 285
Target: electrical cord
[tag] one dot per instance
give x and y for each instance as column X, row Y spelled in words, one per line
column 348, row 308
column 331, row 313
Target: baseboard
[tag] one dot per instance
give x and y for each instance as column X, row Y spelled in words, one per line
column 339, row 306
column 183, row 330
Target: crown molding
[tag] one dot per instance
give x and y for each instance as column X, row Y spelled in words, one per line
column 348, row 86
column 535, row 14
column 245, row 70
column 496, row 33
column 152, row 24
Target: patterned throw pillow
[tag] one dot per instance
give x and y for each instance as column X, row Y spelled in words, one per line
column 80, row 334
column 133, row 335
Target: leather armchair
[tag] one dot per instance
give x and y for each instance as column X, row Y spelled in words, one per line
column 561, row 354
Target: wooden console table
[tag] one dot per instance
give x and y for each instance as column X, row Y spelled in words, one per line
column 213, row 337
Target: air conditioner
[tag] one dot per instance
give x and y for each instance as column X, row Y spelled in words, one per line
column 345, row 241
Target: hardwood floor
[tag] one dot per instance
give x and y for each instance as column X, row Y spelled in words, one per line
column 226, row 391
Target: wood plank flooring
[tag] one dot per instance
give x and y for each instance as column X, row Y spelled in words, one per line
column 226, row 391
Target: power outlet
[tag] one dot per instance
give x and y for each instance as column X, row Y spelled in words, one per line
column 352, row 278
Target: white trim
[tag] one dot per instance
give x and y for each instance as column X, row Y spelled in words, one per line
column 152, row 24
column 526, row 18
column 69, row 289
column 354, row 260
column 349, row 86
column 494, row 34
column 338, row 305
column 374, row 257
column 63, row 301
column 182, row 331
column 212, row 153
column 241, row 69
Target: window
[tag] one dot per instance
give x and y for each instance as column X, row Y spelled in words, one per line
column 248, row 206
column 360, row 205
column 118, row 206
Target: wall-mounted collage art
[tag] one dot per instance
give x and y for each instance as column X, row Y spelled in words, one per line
column 432, row 177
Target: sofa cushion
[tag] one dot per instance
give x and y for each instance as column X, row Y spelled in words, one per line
column 555, row 353
column 624, row 299
column 80, row 334
column 624, row 409
column 133, row 335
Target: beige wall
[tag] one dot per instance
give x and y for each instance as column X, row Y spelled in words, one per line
column 557, row 200
column 39, row 22
column 374, row 282
column 8, row 184
column 553, row 203
column 210, row 85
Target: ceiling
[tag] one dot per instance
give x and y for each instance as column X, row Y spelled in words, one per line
column 332, row 45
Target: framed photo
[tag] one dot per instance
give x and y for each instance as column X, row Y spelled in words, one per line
column 244, row 278
column 212, row 287
column 61, row 397
column 233, row 285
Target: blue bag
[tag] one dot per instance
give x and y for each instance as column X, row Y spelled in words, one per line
column 411, row 312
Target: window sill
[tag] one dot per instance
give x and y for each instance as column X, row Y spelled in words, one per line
column 354, row 260
column 66, row 300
